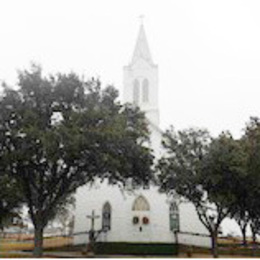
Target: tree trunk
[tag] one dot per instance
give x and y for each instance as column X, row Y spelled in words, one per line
column 38, row 242
column 254, row 243
column 253, row 230
column 254, row 237
column 214, row 244
column 243, row 231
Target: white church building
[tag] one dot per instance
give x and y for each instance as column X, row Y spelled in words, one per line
column 141, row 216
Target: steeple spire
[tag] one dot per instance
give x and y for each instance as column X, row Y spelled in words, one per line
column 141, row 79
column 142, row 50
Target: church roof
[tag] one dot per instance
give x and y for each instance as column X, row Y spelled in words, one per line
column 142, row 50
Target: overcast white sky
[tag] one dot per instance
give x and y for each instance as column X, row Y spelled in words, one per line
column 208, row 52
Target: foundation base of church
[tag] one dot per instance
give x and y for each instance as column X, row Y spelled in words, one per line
column 124, row 248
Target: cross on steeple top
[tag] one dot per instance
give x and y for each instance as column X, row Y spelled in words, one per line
column 141, row 17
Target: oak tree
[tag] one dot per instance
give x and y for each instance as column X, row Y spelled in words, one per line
column 202, row 170
column 62, row 132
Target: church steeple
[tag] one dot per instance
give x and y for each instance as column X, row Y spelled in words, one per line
column 142, row 50
column 141, row 79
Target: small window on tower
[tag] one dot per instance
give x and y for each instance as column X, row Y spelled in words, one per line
column 136, row 92
column 145, row 90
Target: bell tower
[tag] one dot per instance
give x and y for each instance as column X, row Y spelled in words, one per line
column 141, row 79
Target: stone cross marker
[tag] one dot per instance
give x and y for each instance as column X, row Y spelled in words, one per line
column 92, row 233
column 92, row 217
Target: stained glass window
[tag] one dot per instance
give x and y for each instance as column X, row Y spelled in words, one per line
column 106, row 216
column 174, row 217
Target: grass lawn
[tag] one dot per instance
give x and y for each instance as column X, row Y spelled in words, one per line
column 11, row 248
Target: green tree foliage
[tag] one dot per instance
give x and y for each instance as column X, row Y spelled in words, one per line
column 223, row 170
column 242, row 184
column 251, row 139
column 181, row 168
column 61, row 133
column 203, row 171
column 10, row 192
column 10, row 200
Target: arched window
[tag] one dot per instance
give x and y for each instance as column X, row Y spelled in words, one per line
column 145, row 90
column 141, row 204
column 106, row 216
column 174, row 217
column 136, row 92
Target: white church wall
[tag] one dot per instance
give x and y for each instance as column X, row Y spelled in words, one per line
column 122, row 227
column 192, row 240
column 190, row 221
column 156, row 142
column 192, row 231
